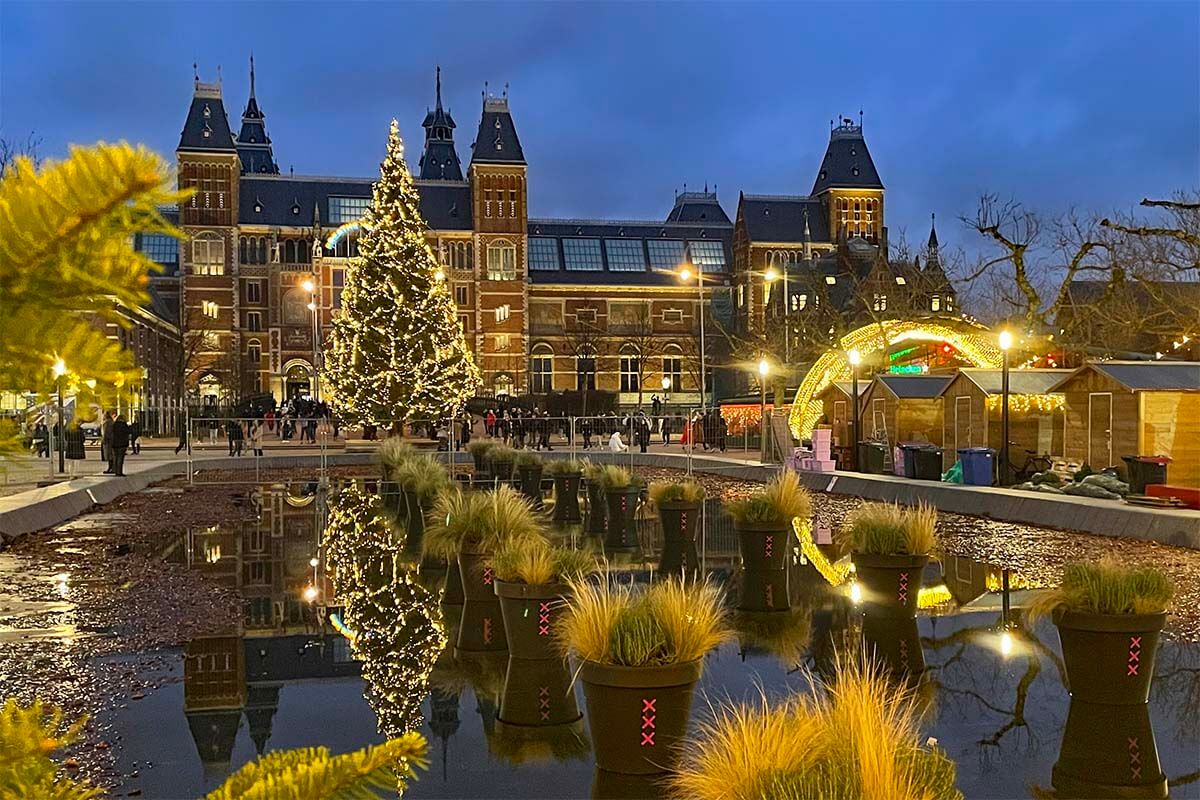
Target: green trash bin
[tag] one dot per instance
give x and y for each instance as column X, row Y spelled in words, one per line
column 1145, row 470
column 871, row 456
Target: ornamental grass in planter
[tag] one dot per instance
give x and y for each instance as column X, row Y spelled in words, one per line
column 621, row 491
column 597, row 518
column 420, row 480
column 1109, row 618
column 641, row 652
column 393, row 451
column 763, row 521
column 500, row 461
column 531, row 579
column 679, row 504
column 890, row 546
column 859, row 738
column 479, row 450
column 566, row 474
column 529, row 476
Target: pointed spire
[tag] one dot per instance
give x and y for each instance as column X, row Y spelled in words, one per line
column 807, row 232
column 933, row 240
column 439, row 87
column 253, row 143
column 439, row 161
column 252, row 76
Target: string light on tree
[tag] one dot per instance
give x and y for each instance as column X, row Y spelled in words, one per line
column 396, row 349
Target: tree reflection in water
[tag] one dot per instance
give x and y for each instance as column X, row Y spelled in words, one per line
column 398, row 630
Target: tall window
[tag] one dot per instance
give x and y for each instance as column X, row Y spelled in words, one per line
column 880, row 303
column 503, row 312
column 461, row 294
column 673, row 371
column 210, row 309
column 585, row 370
column 501, row 262
column 347, row 209
column 459, row 255
column 935, row 303
column 254, row 320
column 707, row 255
column 625, row 255
column 631, row 364
column 502, row 385
column 582, row 254
column 665, row 253
column 208, row 255
column 541, row 369
column 254, row 292
column 543, row 253
column 254, row 351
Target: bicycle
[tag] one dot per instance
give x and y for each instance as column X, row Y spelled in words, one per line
column 1034, row 463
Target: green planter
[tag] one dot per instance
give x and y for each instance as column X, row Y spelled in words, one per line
column 1108, row 751
column 502, row 470
column 764, row 547
column 482, row 628
column 477, row 577
column 452, row 590
column 1109, row 657
column 622, row 518
column 597, row 510
column 413, row 515
column 538, row 694
column 638, row 716
column 530, row 612
column 530, row 480
column 764, row 590
column 890, row 583
column 679, row 522
column 617, row 786
column 895, row 643
column 566, row 499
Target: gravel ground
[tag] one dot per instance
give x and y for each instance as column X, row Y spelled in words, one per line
column 89, row 608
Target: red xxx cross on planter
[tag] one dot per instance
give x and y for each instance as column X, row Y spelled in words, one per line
column 543, row 618
column 1135, row 655
column 649, row 714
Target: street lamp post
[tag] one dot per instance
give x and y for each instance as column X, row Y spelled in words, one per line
column 769, row 277
column 686, row 274
column 60, row 369
column 1005, row 344
column 855, row 359
column 310, row 286
column 763, row 368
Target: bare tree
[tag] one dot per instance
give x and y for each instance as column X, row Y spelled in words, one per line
column 648, row 343
column 11, row 150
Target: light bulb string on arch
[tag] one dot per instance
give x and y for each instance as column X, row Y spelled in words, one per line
column 974, row 343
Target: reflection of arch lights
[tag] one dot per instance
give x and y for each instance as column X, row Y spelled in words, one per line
column 976, row 345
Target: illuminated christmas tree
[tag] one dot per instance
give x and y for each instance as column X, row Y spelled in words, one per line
column 396, row 351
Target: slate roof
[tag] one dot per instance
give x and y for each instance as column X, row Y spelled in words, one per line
column 915, row 387
column 698, row 207
column 207, row 126
column 1146, row 376
column 440, row 161
column 780, row 218
column 847, row 163
column 1020, row 381
column 290, row 200
column 160, row 307
column 496, row 142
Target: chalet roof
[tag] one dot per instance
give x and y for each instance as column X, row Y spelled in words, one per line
column 1144, row 376
column 207, row 126
column 915, row 387
column 698, row 207
column 847, row 163
column 845, row 387
column 289, row 200
column 781, row 218
column 496, row 142
column 1020, row 381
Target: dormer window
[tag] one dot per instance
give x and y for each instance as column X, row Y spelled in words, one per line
column 207, row 112
column 207, row 132
column 497, row 123
column 822, row 174
column 499, row 144
column 296, row 209
column 855, row 170
column 258, row 206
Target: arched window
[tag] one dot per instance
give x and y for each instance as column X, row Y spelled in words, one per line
column 289, row 251
column 502, row 385
column 208, row 254
column 501, row 261
column 631, row 368
column 541, row 369
column 585, row 369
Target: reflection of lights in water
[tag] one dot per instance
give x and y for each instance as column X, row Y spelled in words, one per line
column 338, row 625
column 62, row 584
column 212, row 553
column 933, row 596
column 312, row 562
column 310, row 593
column 855, row 593
column 1006, row 643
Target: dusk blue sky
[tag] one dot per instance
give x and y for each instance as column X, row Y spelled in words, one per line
column 1070, row 103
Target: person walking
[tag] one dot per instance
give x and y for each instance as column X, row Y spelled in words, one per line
column 664, row 426
column 256, row 438
column 41, row 440
column 489, row 423
column 722, row 432
column 118, row 444
column 135, row 433
column 106, row 437
column 74, row 441
column 184, row 440
column 585, row 429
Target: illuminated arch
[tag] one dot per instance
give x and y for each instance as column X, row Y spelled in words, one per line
column 975, row 344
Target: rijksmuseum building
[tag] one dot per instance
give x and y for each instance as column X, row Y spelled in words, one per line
column 546, row 305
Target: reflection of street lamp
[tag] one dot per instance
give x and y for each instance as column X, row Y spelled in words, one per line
column 1005, row 343
column 310, row 593
column 685, row 275
column 310, row 286
column 60, row 369
column 855, row 358
column 763, row 369
column 769, row 277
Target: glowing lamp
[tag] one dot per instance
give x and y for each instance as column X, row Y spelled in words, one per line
column 60, row 368
column 763, row 367
column 1006, row 644
column 308, row 285
column 312, row 562
column 771, row 275
column 666, row 382
column 685, row 274
column 1005, row 340
column 310, row 593
column 854, row 357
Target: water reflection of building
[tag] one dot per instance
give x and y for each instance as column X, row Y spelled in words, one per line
column 281, row 636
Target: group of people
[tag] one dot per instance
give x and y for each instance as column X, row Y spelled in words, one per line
column 521, row 427
column 298, row 419
column 118, row 437
column 707, row 429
